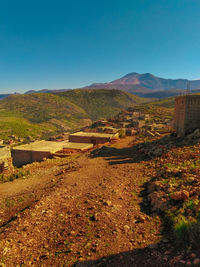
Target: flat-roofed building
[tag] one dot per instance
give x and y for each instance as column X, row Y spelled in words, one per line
column 93, row 138
column 39, row 150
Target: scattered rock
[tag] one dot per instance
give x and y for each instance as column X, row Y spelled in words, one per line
column 159, row 201
column 179, row 195
column 126, row 228
column 108, row 203
column 141, row 218
column 72, row 233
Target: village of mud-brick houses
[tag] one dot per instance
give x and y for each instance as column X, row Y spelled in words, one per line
column 127, row 123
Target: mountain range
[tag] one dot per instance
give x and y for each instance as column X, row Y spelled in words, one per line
column 47, row 91
column 147, row 83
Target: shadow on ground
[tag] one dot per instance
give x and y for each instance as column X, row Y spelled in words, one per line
column 155, row 254
column 142, row 151
column 138, row 257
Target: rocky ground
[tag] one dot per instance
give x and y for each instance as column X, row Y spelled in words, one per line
column 85, row 211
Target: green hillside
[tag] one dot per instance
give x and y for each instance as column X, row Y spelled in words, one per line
column 102, row 102
column 42, row 107
column 163, row 107
column 167, row 103
column 43, row 114
column 160, row 108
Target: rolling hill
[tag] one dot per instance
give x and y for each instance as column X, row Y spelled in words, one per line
column 101, row 103
column 43, row 114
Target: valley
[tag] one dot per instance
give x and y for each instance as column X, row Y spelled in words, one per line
column 43, row 115
column 133, row 200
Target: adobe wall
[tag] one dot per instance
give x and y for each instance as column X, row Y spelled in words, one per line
column 186, row 114
column 192, row 113
column 88, row 139
column 179, row 115
column 22, row 157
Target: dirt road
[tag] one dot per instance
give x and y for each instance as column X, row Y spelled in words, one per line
column 88, row 213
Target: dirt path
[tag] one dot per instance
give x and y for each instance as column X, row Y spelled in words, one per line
column 92, row 217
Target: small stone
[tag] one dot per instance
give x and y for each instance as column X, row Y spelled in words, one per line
column 107, row 203
column 167, row 252
column 72, row 233
column 182, row 261
column 118, row 230
column 141, row 218
column 126, row 228
column 196, row 261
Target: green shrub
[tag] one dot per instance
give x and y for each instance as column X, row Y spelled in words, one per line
column 16, row 175
column 186, row 232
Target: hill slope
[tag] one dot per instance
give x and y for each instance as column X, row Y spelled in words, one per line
column 44, row 114
column 38, row 115
column 101, row 103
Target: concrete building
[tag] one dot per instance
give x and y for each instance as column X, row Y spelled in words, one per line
column 5, row 158
column 93, row 138
column 39, row 150
column 186, row 114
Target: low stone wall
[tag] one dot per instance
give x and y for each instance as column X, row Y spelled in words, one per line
column 22, row 157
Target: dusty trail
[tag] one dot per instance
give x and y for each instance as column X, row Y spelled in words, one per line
column 94, row 212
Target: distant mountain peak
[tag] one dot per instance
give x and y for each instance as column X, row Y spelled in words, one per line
column 131, row 74
column 134, row 82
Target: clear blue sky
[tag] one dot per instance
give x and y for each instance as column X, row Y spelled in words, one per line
column 73, row 43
